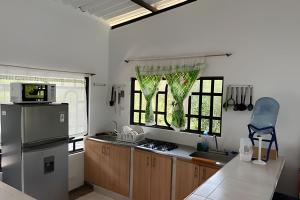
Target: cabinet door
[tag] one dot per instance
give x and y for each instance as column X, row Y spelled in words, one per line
column 161, row 177
column 187, row 178
column 141, row 175
column 119, row 164
column 91, row 161
column 105, row 172
column 206, row 173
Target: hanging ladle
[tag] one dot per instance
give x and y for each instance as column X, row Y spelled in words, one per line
column 230, row 101
column 236, row 105
column 250, row 106
column 243, row 106
column 241, row 98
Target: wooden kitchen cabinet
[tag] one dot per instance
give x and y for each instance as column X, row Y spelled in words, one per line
column 119, row 169
column 161, row 177
column 206, row 173
column 107, row 166
column 187, row 178
column 152, row 176
column 91, row 161
column 141, row 175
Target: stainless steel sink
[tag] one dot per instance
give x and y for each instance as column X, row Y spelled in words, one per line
column 215, row 156
column 110, row 138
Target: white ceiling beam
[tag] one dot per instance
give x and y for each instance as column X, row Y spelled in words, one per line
column 120, row 12
column 145, row 5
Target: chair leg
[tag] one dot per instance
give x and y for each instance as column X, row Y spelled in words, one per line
column 251, row 135
column 269, row 148
column 275, row 139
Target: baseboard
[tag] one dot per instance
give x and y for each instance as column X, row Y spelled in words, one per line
column 299, row 184
column 109, row 193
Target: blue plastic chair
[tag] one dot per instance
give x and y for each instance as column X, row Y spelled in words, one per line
column 263, row 121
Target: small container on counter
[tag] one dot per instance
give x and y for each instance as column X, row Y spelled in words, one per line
column 202, row 144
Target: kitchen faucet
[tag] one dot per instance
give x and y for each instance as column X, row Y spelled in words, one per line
column 216, row 141
column 217, row 147
column 116, row 126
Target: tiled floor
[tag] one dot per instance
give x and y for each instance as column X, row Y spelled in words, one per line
column 94, row 196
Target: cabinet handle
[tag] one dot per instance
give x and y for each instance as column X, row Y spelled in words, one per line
column 153, row 162
column 196, row 173
column 103, row 150
column 204, row 174
column 147, row 161
column 108, row 151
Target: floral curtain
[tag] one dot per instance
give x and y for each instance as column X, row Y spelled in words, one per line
column 180, row 78
column 180, row 82
column 149, row 84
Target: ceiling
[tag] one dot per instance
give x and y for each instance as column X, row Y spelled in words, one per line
column 116, row 12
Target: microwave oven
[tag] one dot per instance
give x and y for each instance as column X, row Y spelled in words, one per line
column 32, row 93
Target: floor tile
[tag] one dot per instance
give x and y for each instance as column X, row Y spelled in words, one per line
column 94, row 196
column 195, row 197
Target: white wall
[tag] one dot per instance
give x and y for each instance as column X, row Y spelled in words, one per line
column 264, row 39
column 76, row 170
column 48, row 34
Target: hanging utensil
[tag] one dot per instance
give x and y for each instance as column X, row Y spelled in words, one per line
column 225, row 105
column 250, row 106
column 241, row 98
column 236, row 105
column 243, row 105
column 112, row 102
column 230, row 101
column 245, row 96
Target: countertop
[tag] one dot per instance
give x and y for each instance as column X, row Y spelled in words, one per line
column 241, row 180
column 182, row 152
column 10, row 193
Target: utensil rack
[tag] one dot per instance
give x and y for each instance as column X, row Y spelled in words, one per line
column 233, row 85
column 236, row 97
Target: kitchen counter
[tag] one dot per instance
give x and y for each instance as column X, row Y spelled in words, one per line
column 182, row 152
column 10, row 193
column 241, row 180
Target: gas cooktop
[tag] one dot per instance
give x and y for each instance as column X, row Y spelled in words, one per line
column 158, row 145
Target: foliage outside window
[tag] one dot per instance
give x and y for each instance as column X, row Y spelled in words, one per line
column 203, row 106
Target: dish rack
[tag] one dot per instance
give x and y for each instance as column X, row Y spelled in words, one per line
column 130, row 138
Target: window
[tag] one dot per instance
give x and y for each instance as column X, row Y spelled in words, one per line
column 69, row 89
column 203, row 106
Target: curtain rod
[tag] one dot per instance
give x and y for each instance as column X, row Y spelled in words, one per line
column 176, row 57
column 50, row 70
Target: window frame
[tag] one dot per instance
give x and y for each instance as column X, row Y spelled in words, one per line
column 188, row 115
column 72, row 139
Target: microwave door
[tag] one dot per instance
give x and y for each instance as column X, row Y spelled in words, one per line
column 44, row 122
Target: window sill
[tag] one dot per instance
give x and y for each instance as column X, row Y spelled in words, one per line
column 76, row 151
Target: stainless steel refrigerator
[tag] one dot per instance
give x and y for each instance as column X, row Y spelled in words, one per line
column 35, row 149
